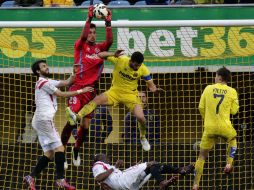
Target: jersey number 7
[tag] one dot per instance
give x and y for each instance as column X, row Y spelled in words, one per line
column 221, row 96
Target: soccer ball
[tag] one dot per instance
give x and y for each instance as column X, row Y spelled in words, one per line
column 100, row 11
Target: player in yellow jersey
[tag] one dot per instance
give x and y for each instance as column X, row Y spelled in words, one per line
column 217, row 102
column 126, row 74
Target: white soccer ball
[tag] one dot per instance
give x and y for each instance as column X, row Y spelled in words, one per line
column 100, row 11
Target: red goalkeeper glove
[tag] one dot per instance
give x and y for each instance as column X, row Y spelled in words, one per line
column 90, row 12
column 108, row 19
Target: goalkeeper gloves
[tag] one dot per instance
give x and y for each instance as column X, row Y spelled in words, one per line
column 90, row 13
column 108, row 19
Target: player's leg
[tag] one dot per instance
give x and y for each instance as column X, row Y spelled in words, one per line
column 156, row 169
column 139, row 114
column 65, row 136
column 205, row 146
column 59, row 162
column 102, row 99
column 42, row 163
column 74, row 104
column 231, row 150
column 82, row 133
column 169, row 169
column 83, row 130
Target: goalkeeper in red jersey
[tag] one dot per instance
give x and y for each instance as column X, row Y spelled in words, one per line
column 217, row 102
column 88, row 68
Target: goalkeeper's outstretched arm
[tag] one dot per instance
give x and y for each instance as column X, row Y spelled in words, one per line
column 86, row 28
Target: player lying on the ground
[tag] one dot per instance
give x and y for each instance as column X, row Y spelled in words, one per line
column 136, row 176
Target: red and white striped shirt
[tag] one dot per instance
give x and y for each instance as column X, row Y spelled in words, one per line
column 45, row 100
column 128, row 179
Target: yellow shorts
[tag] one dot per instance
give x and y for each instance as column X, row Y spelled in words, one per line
column 130, row 100
column 211, row 134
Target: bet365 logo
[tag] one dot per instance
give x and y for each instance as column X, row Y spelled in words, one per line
column 188, row 41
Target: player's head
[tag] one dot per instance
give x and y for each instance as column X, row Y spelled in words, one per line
column 143, row 98
column 222, row 75
column 136, row 60
column 101, row 157
column 40, row 68
column 91, row 38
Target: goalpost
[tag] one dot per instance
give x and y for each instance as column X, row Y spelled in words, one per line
column 182, row 56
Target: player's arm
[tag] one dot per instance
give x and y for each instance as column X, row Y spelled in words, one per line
column 86, row 29
column 109, row 34
column 235, row 103
column 150, row 84
column 149, row 81
column 66, row 82
column 103, row 176
column 60, row 93
column 107, row 54
column 201, row 106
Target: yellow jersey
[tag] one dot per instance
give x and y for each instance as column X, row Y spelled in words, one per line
column 124, row 77
column 217, row 102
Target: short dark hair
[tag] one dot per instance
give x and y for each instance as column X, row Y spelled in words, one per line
column 224, row 73
column 137, row 57
column 92, row 25
column 36, row 66
column 98, row 157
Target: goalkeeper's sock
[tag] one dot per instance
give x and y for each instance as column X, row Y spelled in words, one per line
column 81, row 135
column 88, row 108
column 41, row 164
column 231, row 151
column 199, row 166
column 142, row 129
column 65, row 136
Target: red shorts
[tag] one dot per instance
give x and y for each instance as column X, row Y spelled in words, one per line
column 77, row 102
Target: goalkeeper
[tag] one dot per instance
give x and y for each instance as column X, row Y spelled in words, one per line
column 126, row 74
column 110, row 177
column 217, row 102
column 88, row 68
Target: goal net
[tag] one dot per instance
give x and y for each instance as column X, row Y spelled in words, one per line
column 183, row 58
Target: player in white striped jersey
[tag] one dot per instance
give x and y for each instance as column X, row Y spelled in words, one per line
column 134, row 177
column 46, row 92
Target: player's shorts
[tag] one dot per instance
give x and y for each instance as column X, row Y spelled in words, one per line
column 211, row 135
column 47, row 134
column 133, row 176
column 77, row 102
column 130, row 100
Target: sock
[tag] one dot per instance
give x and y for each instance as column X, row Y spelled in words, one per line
column 66, row 133
column 155, row 170
column 41, row 164
column 59, row 161
column 231, row 150
column 142, row 129
column 81, row 135
column 198, row 170
column 88, row 108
